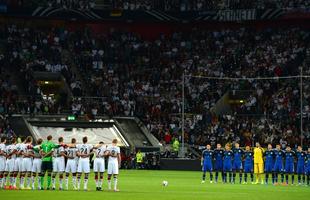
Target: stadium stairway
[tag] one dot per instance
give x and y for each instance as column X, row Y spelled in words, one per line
column 85, row 86
column 224, row 104
column 19, row 126
column 137, row 133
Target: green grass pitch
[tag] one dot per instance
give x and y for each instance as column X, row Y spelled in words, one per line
column 147, row 185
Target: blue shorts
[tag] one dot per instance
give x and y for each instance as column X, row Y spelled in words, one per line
column 289, row 168
column 218, row 165
column 248, row 167
column 237, row 165
column 227, row 167
column 300, row 169
column 307, row 170
column 268, row 167
column 207, row 167
column 278, row 167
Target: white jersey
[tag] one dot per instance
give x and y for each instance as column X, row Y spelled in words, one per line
column 100, row 152
column 72, row 160
column 9, row 167
column 24, row 148
column 113, row 160
column 36, row 154
column 84, row 148
column 99, row 164
column 18, row 160
column 17, row 148
column 114, row 150
column 57, row 152
column 2, row 149
column 37, row 162
column 27, row 161
column 83, row 165
column 71, row 152
column 9, row 149
column 59, row 160
column 2, row 158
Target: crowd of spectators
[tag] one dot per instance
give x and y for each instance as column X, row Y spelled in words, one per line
column 130, row 76
column 38, row 50
column 8, row 95
column 143, row 78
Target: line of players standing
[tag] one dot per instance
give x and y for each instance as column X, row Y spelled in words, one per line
column 29, row 161
column 277, row 162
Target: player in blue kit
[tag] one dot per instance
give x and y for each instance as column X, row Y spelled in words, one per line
column 289, row 164
column 237, row 163
column 227, row 163
column 307, row 167
column 206, row 162
column 278, row 164
column 269, row 163
column 218, row 162
column 301, row 156
column 248, row 164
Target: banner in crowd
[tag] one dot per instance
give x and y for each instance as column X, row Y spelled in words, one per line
column 156, row 15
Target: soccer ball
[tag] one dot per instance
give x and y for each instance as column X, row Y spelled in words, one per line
column 165, row 183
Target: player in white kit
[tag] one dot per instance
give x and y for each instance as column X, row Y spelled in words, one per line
column 37, row 164
column 114, row 163
column 99, row 165
column 17, row 163
column 72, row 161
column 27, row 154
column 2, row 160
column 84, row 152
column 9, row 166
column 58, row 164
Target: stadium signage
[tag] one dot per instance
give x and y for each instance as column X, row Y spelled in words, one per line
column 156, row 15
column 236, row 15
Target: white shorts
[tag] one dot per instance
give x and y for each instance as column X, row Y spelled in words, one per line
column 59, row 164
column 2, row 164
column 37, row 165
column 113, row 168
column 26, row 165
column 99, row 165
column 71, row 166
column 9, row 165
column 18, row 164
column 83, row 165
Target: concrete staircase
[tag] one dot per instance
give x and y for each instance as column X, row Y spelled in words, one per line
column 78, row 73
column 19, row 126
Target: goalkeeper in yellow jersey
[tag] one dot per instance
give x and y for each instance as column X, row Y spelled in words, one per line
column 258, row 163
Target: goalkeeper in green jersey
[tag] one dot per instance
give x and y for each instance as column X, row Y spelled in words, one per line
column 46, row 150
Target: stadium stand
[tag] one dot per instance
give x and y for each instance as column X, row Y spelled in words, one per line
column 131, row 76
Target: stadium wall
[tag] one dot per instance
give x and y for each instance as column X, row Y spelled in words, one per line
column 180, row 164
